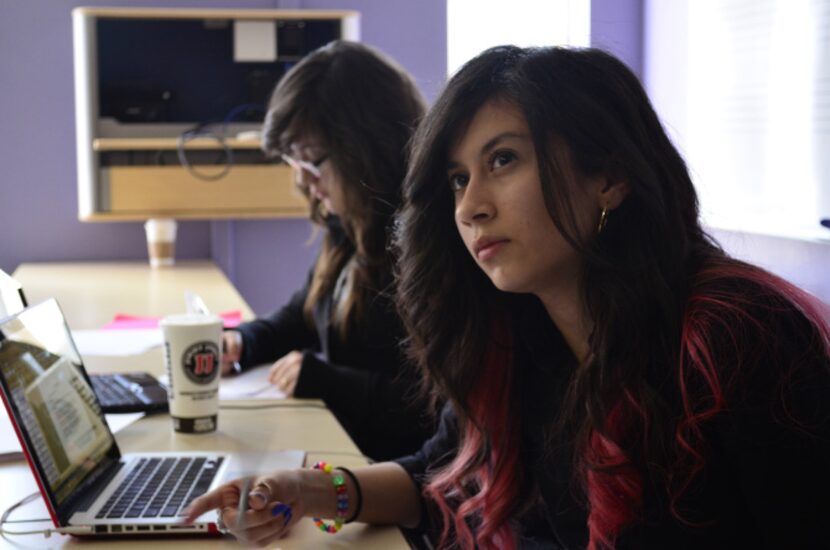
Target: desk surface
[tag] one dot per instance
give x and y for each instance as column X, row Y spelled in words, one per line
column 90, row 295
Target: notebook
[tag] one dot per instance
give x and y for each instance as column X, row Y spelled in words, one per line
column 85, row 480
column 118, row 393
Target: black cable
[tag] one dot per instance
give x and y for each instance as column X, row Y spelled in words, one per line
column 199, row 133
column 204, row 131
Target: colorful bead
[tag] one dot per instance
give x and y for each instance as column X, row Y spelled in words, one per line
column 342, row 501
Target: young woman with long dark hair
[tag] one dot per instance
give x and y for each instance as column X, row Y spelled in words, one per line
column 343, row 117
column 614, row 378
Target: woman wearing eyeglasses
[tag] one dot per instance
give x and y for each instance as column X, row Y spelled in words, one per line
column 342, row 118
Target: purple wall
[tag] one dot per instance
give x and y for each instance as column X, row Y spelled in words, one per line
column 38, row 202
column 617, row 26
column 267, row 260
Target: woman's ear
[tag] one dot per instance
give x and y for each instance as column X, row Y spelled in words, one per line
column 612, row 193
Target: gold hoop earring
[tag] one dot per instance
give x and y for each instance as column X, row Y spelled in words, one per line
column 603, row 219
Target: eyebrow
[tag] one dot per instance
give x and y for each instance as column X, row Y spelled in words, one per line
column 491, row 144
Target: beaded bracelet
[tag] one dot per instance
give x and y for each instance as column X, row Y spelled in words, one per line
column 342, row 501
column 357, row 490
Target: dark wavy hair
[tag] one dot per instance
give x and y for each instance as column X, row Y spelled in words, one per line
column 588, row 115
column 362, row 107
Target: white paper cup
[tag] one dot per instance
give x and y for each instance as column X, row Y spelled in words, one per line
column 193, row 356
column 161, row 241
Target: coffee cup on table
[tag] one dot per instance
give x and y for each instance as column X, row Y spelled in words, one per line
column 161, row 241
column 192, row 357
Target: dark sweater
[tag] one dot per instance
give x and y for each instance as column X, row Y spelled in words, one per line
column 765, row 482
column 365, row 381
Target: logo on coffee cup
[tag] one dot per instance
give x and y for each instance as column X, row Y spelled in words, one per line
column 201, row 362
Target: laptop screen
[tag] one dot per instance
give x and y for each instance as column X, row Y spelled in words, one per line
column 12, row 299
column 51, row 400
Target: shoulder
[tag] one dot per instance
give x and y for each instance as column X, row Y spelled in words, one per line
column 744, row 299
column 750, row 325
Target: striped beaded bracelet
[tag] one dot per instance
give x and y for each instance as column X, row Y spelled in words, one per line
column 342, row 501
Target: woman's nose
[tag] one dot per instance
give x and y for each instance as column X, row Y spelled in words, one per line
column 475, row 204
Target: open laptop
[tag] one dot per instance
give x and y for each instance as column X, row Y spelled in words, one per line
column 85, row 480
column 12, row 298
column 117, row 393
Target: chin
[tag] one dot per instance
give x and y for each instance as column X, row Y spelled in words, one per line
column 505, row 284
column 516, row 281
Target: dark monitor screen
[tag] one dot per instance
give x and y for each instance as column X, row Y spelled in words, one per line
column 183, row 70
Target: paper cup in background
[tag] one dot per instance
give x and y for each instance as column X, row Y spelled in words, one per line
column 192, row 357
column 161, row 241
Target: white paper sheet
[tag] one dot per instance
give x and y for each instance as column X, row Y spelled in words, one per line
column 251, row 384
column 117, row 342
column 118, row 422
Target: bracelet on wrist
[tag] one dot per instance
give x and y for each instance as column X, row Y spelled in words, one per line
column 342, row 501
column 359, row 504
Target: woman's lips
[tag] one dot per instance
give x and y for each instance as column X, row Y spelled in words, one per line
column 485, row 250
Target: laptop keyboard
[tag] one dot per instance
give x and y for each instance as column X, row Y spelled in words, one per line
column 110, row 392
column 158, row 487
column 129, row 392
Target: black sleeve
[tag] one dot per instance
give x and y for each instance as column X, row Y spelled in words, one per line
column 266, row 339
column 376, row 398
column 435, row 453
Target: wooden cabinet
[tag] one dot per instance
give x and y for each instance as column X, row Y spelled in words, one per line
column 169, row 102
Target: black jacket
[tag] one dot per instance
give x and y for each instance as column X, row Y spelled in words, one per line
column 765, row 483
column 366, row 381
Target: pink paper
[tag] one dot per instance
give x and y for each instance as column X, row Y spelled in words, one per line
column 123, row 321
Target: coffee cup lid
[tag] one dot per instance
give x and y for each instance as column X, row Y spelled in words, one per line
column 190, row 319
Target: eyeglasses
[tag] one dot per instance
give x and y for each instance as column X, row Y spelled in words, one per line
column 312, row 167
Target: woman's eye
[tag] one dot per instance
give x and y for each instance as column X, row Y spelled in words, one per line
column 458, row 181
column 501, row 158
